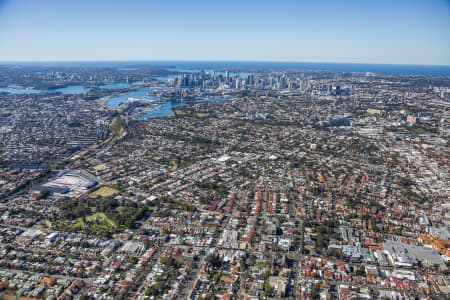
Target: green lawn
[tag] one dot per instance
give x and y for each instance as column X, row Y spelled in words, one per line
column 179, row 112
column 106, row 191
column 118, row 127
column 97, row 222
column 201, row 115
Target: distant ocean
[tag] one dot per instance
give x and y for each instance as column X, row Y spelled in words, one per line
column 431, row 70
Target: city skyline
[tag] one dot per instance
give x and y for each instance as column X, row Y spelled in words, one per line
column 404, row 32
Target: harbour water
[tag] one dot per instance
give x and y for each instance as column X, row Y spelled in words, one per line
column 116, row 85
column 71, row 89
column 140, row 93
column 11, row 90
column 165, row 110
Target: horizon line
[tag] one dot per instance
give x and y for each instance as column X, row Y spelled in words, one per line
column 219, row 60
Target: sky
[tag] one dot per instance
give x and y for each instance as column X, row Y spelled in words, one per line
column 355, row 31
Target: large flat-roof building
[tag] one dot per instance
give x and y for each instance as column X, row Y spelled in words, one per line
column 68, row 181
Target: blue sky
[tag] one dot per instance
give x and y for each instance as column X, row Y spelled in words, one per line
column 400, row 31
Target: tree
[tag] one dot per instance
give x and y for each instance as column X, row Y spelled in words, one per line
column 361, row 271
column 320, row 241
column 314, row 292
column 214, row 261
column 268, row 289
column 337, row 253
